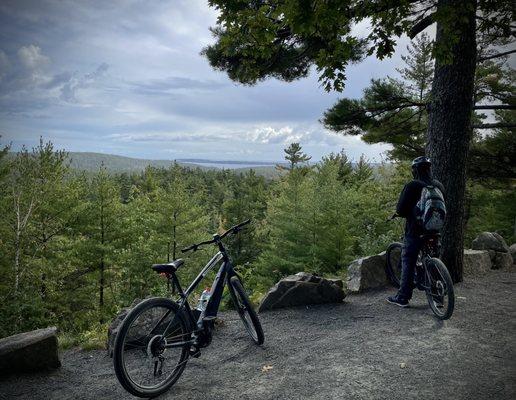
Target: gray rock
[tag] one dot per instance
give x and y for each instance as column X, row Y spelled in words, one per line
column 302, row 289
column 476, row 262
column 502, row 260
column 490, row 241
column 115, row 324
column 143, row 322
column 512, row 250
column 367, row 273
column 29, row 351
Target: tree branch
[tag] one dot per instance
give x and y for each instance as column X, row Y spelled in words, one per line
column 421, row 25
column 495, row 107
column 494, row 126
column 505, row 53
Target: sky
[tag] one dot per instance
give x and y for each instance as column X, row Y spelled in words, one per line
column 127, row 78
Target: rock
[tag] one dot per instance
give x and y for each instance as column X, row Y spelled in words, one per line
column 367, row 273
column 512, row 250
column 502, row 260
column 490, row 241
column 302, row 289
column 115, row 323
column 476, row 262
column 29, row 351
column 143, row 323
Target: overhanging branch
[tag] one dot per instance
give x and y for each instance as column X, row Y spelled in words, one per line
column 496, row 107
column 421, row 25
column 505, row 53
column 494, row 126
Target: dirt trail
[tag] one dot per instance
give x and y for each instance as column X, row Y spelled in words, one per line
column 351, row 350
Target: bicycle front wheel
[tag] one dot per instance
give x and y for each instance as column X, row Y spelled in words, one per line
column 245, row 310
column 147, row 359
column 393, row 263
column 439, row 288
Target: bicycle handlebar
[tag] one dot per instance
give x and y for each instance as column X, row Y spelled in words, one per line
column 233, row 230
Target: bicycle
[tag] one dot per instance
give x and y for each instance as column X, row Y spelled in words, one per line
column 431, row 275
column 159, row 334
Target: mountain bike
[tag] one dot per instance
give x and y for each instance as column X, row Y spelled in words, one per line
column 431, row 275
column 158, row 336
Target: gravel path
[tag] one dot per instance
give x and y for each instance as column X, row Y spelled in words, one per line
column 353, row 350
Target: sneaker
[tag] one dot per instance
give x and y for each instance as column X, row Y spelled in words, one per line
column 398, row 301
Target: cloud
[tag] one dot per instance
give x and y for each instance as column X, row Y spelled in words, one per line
column 270, row 135
column 31, row 57
column 22, row 71
column 4, row 64
column 140, row 87
column 71, row 87
column 57, row 80
column 170, row 84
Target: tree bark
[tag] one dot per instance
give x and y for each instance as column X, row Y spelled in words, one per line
column 449, row 128
column 102, row 266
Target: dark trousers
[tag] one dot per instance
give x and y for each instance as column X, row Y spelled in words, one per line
column 411, row 247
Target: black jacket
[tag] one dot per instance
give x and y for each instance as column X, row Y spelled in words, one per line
column 409, row 197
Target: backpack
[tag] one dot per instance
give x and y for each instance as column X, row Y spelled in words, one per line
column 431, row 209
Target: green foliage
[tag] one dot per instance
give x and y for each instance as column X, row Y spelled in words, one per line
column 491, row 209
column 282, row 39
column 321, row 220
column 294, row 155
column 395, row 111
column 83, row 243
column 391, row 111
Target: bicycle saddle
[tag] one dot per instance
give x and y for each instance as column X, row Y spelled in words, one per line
column 170, row 267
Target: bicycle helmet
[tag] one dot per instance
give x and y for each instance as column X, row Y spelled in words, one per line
column 423, row 160
column 421, row 168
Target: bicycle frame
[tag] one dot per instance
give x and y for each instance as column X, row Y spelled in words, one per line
column 431, row 248
column 225, row 273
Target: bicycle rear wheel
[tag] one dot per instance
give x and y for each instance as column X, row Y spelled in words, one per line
column 439, row 289
column 145, row 363
column 245, row 310
column 393, row 264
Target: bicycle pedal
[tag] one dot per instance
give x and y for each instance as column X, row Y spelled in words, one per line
column 195, row 353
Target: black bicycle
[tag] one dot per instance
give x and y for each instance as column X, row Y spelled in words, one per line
column 158, row 336
column 431, row 275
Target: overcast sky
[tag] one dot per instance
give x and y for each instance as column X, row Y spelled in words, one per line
column 126, row 77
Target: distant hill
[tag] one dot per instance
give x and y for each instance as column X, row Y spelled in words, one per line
column 87, row 161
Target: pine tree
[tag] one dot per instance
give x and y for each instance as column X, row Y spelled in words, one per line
column 295, row 156
column 246, row 200
column 362, row 172
column 287, row 247
column 103, row 231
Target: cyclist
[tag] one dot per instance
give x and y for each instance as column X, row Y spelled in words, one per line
column 412, row 243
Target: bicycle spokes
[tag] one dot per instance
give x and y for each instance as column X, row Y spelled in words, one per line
column 148, row 360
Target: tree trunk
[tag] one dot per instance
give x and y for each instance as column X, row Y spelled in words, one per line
column 174, row 236
column 102, row 264
column 449, row 128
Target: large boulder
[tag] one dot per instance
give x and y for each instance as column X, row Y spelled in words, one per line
column 367, row 273
column 502, row 260
column 302, row 289
column 476, row 262
column 115, row 325
column 144, row 323
column 512, row 250
column 29, row 351
column 490, row 241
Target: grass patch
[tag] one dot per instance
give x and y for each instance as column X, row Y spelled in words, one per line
column 93, row 339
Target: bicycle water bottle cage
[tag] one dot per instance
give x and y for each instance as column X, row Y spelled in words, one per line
column 168, row 268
